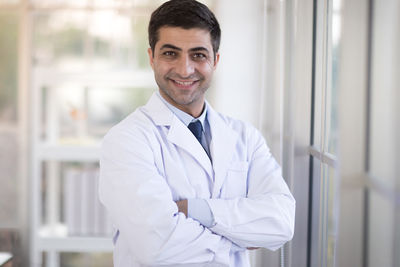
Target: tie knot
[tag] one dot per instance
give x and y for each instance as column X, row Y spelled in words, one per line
column 196, row 128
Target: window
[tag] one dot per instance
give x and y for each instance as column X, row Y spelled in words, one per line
column 12, row 136
column 324, row 139
column 87, row 75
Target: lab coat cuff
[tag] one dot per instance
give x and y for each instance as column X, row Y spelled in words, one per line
column 199, row 210
column 218, row 207
column 221, row 216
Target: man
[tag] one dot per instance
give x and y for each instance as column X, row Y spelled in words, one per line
column 183, row 184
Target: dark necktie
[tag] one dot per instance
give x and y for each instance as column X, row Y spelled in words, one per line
column 196, row 128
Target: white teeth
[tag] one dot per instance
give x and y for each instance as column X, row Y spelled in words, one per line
column 184, row 83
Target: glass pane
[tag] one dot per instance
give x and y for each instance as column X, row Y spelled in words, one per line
column 326, row 76
column 332, row 205
column 64, row 3
column 10, row 182
column 316, row 212
column 318, row 82
column 139, row 33
column 70, row 200
column 332, row 93
column 98, row 3
column 73, row 41
column 107, row 107
column 116, row 46
column 59, row 40
column 325, row 214
column 75, row 114
column 9, row 198
column 151, row 4
column 8, row 66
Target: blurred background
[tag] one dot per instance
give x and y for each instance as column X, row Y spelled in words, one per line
column 319, row 78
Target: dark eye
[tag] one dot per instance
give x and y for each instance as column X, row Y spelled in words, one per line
column 169, row 53
column 199, row 56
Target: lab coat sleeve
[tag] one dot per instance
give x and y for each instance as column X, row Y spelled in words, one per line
column 265, row 216
column 141, row 207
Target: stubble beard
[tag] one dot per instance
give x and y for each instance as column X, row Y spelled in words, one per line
column 184, row 99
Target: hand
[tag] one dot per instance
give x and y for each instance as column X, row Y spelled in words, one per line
column 182, row 206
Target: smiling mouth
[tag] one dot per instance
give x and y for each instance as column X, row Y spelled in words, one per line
column 184, row 84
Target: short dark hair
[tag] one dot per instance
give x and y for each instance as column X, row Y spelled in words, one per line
column 187, row 14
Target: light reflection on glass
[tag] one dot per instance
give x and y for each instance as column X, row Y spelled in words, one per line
column 333, row 213
column 332, row 125
column 77, row 114
column 81, row 41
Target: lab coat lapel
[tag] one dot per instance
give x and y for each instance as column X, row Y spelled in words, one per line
column 222, row 148
column 178, row 133
column 181, row 136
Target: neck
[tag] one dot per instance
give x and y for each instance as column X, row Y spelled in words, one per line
column 195, row 109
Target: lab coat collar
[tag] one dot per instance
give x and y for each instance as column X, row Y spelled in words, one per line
column 183, row 116
column 178, row 133
column 223, row 140
column 158, row 111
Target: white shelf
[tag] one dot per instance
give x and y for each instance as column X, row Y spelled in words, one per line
column 4, row 257
column 75, row 244
column 68, row 152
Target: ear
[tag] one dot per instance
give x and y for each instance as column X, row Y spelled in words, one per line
column 216, row 60
column 151, row 58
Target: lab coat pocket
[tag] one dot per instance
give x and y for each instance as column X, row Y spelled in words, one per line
column 235, row 184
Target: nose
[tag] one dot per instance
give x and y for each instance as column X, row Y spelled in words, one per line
column 185, row 66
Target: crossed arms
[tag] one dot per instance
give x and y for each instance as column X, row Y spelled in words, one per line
column 141, row 206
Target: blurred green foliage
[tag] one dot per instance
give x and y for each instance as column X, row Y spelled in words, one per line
column 139, row 28
column 8, row 65
column 86, row 259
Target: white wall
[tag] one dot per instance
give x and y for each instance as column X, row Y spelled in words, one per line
column 264, row 77
column 383, row 155
column 236, row 87
column 352, row 110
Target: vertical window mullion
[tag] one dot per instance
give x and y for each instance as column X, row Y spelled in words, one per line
column 366, row 204
column 312, row 135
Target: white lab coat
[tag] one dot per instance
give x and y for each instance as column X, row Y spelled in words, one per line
column 151, row 159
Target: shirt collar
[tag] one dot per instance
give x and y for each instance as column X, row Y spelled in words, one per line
column 183, row 116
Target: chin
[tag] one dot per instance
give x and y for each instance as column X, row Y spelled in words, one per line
column 184, row 102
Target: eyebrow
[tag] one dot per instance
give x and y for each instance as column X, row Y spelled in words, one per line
column 194, row 49
column 200, row 48
column 170, row 46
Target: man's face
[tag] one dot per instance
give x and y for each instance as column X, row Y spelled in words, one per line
column 183, row 65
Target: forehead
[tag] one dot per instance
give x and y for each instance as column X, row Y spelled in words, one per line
column 184, row 38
